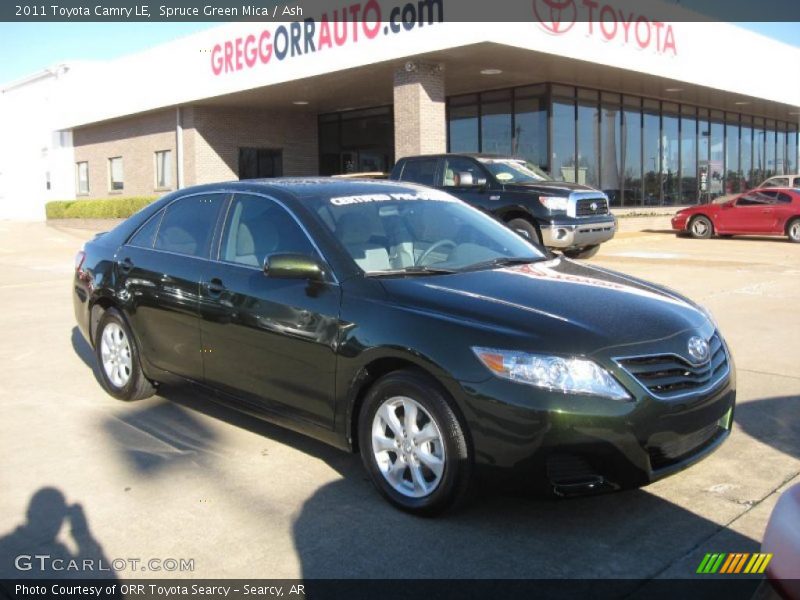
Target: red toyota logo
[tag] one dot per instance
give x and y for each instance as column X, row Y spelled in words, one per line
column 555, row 16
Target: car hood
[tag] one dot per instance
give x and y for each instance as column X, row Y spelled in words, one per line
column 561, row 188
column 558, row 306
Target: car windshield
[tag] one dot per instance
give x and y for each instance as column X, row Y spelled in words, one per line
column 420, row 232
column 511, row 170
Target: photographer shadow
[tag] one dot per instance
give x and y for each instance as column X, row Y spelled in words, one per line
column 21, row 551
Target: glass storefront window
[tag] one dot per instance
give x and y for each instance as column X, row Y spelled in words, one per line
column 463, row 124
column 780, row 156
column 716, row 161
column 496, row 122
column 733, row 175
column 651, row 148
column 611, row 174
column 530, row 125
column 689, row 175
column 631, row 158
column 759, row 158
column 563, row 136
column 769, row 151
column 356, row 141
column 588, row 144
column 746, row 141
column 670, row 155
column 791, row 150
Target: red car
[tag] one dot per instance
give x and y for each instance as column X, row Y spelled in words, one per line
column 774, row 211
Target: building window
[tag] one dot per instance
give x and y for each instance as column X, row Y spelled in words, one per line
column 164, row 169
column 115, row 179
column 82, row 177
column 356, row 141
column 463, row 124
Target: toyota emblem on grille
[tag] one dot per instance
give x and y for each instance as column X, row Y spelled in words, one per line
column 593, row 206
column 698, row 349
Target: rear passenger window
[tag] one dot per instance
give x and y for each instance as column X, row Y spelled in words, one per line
column 188, row 225
column 258, row 227
column 146, row 235
column 419, row 171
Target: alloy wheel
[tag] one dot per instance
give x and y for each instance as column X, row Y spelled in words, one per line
column 408, row 447
column 115, row 350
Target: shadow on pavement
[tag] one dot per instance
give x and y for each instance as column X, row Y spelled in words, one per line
column 773, row 421
column 34, row 546
column 346, row 530
column 85, row 352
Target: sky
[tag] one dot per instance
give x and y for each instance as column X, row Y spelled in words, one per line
column 30, row 47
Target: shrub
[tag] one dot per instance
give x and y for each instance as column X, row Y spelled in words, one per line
column 107, row 208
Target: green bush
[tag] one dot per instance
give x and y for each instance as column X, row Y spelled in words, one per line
column 107, row 208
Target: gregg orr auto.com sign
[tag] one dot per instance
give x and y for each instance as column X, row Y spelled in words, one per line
column 358, row 21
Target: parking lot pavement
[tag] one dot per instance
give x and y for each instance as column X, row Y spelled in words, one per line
column 177, row 476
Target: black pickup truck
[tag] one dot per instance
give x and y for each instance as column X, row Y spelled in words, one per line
column 569, row 217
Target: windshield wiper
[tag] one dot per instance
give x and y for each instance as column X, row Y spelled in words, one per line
column 502, row 261
column 414, row 270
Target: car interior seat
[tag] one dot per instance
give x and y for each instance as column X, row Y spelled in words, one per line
column 354, row 230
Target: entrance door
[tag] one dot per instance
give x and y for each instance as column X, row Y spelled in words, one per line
column 257, row 163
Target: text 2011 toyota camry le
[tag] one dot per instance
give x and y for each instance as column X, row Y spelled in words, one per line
column 398, row 322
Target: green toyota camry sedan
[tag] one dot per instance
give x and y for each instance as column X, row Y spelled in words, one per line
column 396, row 321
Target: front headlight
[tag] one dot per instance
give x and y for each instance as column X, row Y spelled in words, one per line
column 555, row 203
column 575, row 375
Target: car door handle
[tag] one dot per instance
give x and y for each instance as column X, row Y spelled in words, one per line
column 215, row 287
column 126, row 265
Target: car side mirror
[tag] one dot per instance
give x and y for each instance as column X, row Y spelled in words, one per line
column 467, row 179
column 293, row 266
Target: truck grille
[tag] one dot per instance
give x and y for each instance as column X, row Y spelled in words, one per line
column 669, row 375
column 588, row 207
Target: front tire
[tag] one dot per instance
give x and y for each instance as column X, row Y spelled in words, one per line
column 587, row 252
column 793, row 231
column 413, row 445
column 118, row 359
column 527, row 229
column 701, row 228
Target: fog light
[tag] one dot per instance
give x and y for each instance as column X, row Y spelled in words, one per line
column 561, row 234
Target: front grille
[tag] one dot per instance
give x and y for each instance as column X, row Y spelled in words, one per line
column 669, row 375
column 682, row 446
column 584, row 207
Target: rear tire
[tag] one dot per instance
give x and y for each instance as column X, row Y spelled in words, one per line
column 413, row 445
column 793, row 231
column 526, row 229
column 701, row 228
column 583, row 253
column 118, row 359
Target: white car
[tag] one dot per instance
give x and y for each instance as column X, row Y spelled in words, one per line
column 782, row 181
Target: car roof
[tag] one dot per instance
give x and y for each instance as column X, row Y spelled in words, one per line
column 314, row 187
column 465, row 154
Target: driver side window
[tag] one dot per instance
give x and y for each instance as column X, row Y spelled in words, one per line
column 257, row 227
column 453, row 166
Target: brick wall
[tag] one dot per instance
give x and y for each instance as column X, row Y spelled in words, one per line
column 419, row 110
column 211, row 141
column 135, row 139
column 220, row 132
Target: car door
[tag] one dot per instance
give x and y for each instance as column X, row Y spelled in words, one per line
column 455, row 170
column 270, row 341
column 753, row 212
column 159, row 272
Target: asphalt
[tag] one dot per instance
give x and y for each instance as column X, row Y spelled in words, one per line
column 179, row 477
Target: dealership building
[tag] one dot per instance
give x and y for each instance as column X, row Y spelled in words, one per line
column 652, row 111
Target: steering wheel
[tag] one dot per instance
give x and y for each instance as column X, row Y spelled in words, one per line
column 434, row 246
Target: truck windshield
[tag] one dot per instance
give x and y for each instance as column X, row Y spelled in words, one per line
column 510, row 170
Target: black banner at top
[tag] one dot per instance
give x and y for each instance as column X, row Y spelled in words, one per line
column 461, row 11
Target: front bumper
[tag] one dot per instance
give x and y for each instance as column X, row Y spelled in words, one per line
column 563, row 443
column 679, row 222
column 578, row 233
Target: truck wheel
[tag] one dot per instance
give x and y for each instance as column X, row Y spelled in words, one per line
column 587, row 252
column 526, row 229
